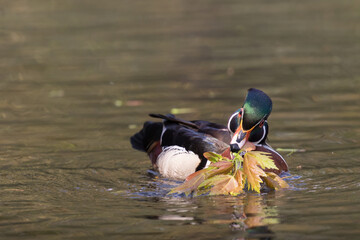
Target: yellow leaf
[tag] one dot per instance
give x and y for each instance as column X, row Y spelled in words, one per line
column 262, row 159
column 181, row 110
column 253, row 172
column 239, row 177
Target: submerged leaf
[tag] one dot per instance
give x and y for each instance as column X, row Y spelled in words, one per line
column 273, row 181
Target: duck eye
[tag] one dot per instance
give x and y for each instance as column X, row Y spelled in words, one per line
column 261, row 124
column 234, row 122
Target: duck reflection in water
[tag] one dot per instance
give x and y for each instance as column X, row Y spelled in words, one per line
column 251, row 215
column 248, row 216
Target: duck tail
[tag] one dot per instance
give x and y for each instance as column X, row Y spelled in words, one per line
column 147, row 136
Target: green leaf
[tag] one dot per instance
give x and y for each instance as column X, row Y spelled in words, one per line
column 213, row 157
column 213, row 181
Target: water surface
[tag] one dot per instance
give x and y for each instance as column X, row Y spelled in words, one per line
column 77, row 79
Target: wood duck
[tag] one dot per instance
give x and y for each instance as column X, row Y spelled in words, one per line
column 176, row 146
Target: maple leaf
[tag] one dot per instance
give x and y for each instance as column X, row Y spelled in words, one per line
column 239, row 177
column 220, row 184
column 252, row 172
column 194, row 180
column 213, row 169
column 263, row 159
column 223, row 165
column 228, row 176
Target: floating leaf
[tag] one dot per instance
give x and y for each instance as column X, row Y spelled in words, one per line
column 181, row 110
column 134, row 103
column 118, row 103
column 56, row 93
column 291, row 150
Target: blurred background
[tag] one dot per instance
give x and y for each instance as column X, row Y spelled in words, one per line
column 78, row 78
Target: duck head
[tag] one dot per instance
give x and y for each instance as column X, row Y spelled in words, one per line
column 249, row 122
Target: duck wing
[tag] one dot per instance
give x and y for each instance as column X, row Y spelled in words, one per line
column 215, row 130
column 196, row 136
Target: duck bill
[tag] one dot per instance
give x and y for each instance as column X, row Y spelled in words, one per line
column 239, row 139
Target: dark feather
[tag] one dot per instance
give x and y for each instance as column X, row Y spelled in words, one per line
column 150, row 133
column 213, row 129
column 192, row 140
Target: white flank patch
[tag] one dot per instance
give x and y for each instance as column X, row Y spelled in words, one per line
column 177, row 163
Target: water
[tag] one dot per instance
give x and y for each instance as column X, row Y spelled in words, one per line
column 77, row 79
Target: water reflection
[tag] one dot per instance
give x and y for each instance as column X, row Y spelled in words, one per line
column 246, row 216
column 251, row 213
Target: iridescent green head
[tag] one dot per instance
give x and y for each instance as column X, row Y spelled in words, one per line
column 257, row 107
